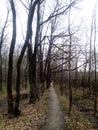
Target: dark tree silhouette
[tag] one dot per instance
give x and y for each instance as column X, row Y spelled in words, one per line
column 26, row 44
column 10, row 63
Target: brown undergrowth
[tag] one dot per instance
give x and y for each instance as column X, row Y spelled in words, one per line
column 32, row 116
column 77, row 120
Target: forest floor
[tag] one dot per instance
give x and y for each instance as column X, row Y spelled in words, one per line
column 31, row 117
column 82, row 115
column 3, row 100
column 54, row 120
column 51, row 113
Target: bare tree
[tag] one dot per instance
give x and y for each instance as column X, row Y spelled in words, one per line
column 26, row 44
column 70, row 48
column 90, row 58
column 10, row 63
column 84, row 82
column 2, row 38
column 36, row 53
column 47, row 69
column 95, row 75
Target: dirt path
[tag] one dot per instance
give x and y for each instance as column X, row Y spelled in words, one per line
column 54, row 120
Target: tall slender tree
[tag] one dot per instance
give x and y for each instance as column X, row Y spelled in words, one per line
column 26, row 44
column 2, row 38
column 10, row 63
column 90, row 58
column 95, row 75
column 69, row 61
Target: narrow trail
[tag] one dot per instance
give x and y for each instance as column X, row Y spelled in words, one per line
column 54, row 120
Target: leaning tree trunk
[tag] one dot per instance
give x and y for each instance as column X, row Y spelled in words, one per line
column 10, row 63
column 28, row 37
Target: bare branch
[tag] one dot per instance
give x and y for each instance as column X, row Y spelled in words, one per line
column 24, row 5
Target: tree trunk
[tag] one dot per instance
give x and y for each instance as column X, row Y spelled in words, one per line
column 47, row 71
column 0, row 70
column 10, row 63
column 32, row 76
column 76, row 76
column 95, row 86
column 42, row 86
column 62, row 75
column 28, row 37
column 90, row 58
column 70, row 46
column 36, row 51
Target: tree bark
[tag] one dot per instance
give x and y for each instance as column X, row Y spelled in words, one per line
column 36, row 51
column 31, row 75
column 10, row 63
column 70, row 46
column 47, row 66
column 0, row 70
column 95, row 61
column 28, row 37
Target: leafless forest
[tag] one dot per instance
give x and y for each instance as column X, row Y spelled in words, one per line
column 51, row 46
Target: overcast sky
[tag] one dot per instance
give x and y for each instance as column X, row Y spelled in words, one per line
column 84, row 12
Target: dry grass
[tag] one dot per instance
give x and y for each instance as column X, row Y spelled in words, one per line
column 31, row 118
column 77, row 120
